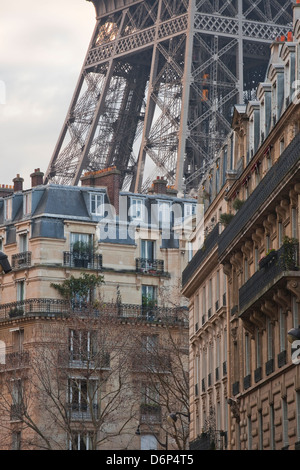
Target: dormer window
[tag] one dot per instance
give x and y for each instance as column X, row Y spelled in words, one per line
column 136, row 211
column 96, row 203
column 27, row 203
column 8, row 209
column 189, row 210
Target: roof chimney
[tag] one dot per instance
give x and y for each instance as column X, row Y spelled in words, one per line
column 109, row 178
column 36, row 178
column 18, row 183
column 159, row 186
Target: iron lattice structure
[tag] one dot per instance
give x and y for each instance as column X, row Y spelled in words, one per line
column 158, row 85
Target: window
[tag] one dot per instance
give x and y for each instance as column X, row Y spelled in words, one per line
column 270, row 345
column 81, row 441
column 82, row 393
column 8, row 208
column 294, row 223
column 82, row 345
column 96, row 204
column 20, row 291
column 18, row 340
column 27, row 203
column 149, row 295
column 295, row 312
column 150, row 343
column 247, row 355
column 82, row 241
column 150, row 394
column 136, row 209
column 148, row 249
column 164, row 213
column 17, row 397
column 258, row 349
column 23, row 242
column 189, row 210
column 282, row 330
column 225, row 163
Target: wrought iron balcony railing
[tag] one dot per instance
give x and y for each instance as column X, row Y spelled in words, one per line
column 21, row 260
column 84, row 360
column 281, row 169
column 150, row 414
column 83, row 411
column 278, row 265
column 58, row 307
column 149, row 266
column 84, row 260
column 15, row 360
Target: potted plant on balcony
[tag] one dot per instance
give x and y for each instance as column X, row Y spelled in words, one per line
column 288, row 256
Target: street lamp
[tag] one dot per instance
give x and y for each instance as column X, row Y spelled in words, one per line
column 172, row 418
column 4, row 264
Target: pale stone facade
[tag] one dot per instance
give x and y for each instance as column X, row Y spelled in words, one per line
column 39, row 229
column 256, row 403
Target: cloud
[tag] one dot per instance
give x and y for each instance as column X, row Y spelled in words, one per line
column 45, row 45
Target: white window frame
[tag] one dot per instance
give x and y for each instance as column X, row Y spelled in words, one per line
column 27, row 203
column 8, row 208
column 137, row 208
column 97, row 204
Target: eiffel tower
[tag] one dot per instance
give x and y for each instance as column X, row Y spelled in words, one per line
column 157, row 88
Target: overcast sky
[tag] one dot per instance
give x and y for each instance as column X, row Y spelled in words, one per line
column 43, row 46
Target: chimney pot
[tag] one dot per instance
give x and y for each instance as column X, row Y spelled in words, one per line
column 18, row 183
column 36, row 178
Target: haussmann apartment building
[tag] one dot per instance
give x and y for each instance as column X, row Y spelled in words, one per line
column 243, row 284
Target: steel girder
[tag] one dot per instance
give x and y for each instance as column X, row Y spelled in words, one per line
column 158, row 84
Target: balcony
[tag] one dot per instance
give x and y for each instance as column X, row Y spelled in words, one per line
column 275, row 268
column 86, row 261
column 150, row 414
column 59, row 307
column 87, row 360
column 83, row 411
column 15, row 360
column 149, row 266
column 17, row 411
column 21, row 260
column 148, row 362
column 269, row 185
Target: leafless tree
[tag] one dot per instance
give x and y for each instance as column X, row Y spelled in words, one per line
column 74, row 388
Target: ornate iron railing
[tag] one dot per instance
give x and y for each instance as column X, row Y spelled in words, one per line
column 150, row 414
column 260, row 195
column 149, row 266
column 21, row 260
column 54, row 307
column 277, row 264
column 87, row 261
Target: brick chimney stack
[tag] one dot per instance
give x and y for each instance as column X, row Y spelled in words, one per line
column 18, row 183
column 159, row 186
column 109, row 178
column 36, row 178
